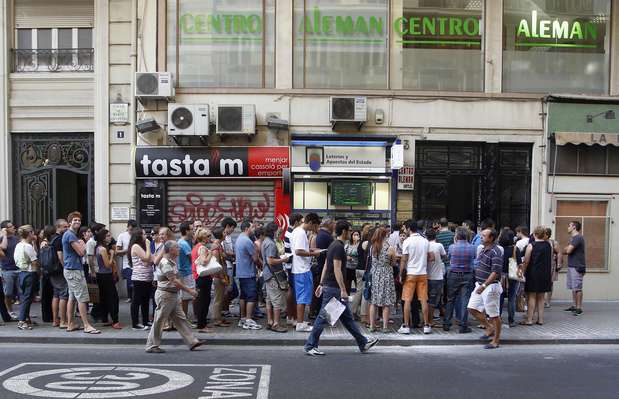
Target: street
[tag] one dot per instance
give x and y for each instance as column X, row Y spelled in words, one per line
column 516, row 371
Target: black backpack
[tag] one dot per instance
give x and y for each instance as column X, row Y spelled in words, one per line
column 49, row 259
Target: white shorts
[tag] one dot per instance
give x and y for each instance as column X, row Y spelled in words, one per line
column 189, row 283
column 488, row 301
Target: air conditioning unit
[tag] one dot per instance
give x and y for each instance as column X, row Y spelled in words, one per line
column 348, row 109
column 187, row 120
column 236, row 119
column 154, row 85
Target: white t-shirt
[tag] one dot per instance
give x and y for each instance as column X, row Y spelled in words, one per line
column 91, row 245
column 24, row 255
column 522, row 245
column 394, row 239
column 298, row 240
column 436, row 269
column 123, row 243
column 416, row 247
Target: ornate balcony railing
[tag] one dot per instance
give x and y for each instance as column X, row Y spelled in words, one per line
column 54, row 60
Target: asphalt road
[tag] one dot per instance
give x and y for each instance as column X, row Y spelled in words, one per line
column 571, row 371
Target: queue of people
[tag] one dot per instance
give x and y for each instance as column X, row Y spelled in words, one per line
column 435, row 273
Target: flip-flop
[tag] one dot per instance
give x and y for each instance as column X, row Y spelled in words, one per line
column 485, row 337
column 93, row 332
column 490, row 346
column 524, row 323
column 539, row 324
column 75, row 329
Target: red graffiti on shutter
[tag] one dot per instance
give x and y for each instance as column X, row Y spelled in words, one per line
column 211, row 213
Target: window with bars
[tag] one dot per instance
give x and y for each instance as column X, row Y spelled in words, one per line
column 583, row 160
column 53, row 50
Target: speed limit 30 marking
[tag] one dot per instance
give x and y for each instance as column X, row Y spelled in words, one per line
column 93, row 381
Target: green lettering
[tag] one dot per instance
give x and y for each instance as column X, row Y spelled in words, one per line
column 228, row 23
column 455, row 26
column 344, row 25
column 308, row 25
column 442, row 21
column 471, row 27
column 239, row 24
column 316, row 20
column 560, row 30
column 254, row 23
column 591, row 31
column 327, row 21
column 523, row 29
column 361, row 26
column 214, row 23
column 415, row 26
column 576, row 31
column 186, row 23
column 399, row 26
column 429, row 25
column 376, row 25
column 199, row 22
column 544, row 29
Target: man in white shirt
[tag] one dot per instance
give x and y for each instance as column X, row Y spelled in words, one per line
column 301, row 268
column 414, row 273
column 523, row 239
column 436, row 271
column 27, row 261
column 122, row 249
column 394, row 237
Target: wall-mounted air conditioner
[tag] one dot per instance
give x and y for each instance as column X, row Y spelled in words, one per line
column 188, row 120
column 154, row 85
column 348, row 109
column 236, row 119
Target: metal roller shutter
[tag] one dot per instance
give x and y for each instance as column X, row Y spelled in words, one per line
column 54, row 13
column 211, row 201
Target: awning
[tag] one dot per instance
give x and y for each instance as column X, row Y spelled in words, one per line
column 588, row 138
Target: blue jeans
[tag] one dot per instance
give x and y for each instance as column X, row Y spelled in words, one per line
column 127, row 276
column 459, row 288
column 346, row 318
column 29, row 285
column 513, row 286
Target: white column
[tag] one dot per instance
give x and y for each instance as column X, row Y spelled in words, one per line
column 284, row 47
column 5, row 166
column 614, row 51
column 102, row 156
column 493, row 40
column 397, row 49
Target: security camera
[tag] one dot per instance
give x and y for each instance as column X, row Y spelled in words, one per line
column 276, row 123
column 147, row 125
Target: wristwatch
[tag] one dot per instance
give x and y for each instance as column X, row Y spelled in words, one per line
column 484, row 285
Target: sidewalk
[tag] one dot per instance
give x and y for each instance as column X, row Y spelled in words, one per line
column 598, row 325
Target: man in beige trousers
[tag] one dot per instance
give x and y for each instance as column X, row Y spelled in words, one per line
column 168, row 303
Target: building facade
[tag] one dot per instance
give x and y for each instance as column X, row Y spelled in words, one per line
column 503, row 109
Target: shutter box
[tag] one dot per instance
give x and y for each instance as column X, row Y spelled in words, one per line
column 54, row 14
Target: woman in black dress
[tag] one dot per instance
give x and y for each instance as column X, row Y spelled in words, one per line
column 536, row 269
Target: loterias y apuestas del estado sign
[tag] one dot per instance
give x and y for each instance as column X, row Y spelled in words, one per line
column 210, row 162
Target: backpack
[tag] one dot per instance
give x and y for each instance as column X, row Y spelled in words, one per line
column 49, row 259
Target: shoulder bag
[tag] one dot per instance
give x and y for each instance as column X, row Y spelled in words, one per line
column 213, row 267
column 513, row 268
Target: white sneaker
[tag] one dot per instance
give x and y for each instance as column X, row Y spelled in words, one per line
column 314, row 352
column 427, row 329
column 404, row 330
column 251, row 325
column 303, row 327
column 291, row 322
column 241, row 323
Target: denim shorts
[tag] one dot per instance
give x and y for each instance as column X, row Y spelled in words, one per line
column 304, row 288
column 10, row 283
column 59, row 284
column 249, row 291
column 435, row 292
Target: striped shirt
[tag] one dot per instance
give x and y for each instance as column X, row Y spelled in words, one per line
column 141, row 272
column 490, row 260
column 445, row 237
column 461, row 256
column 288, row 247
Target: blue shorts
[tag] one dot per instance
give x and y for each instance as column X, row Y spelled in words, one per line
column 249, row 292
column 303, row 288
column 10, row 283
column 435, row 292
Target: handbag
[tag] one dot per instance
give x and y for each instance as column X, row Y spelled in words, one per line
column 213, row 267
column 367, row 277
column 513, row 269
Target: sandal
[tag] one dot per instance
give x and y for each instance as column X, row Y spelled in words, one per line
column 525, row 323
column 94, row 331
column 539, row 324
column 222, row 323
column 74, row 329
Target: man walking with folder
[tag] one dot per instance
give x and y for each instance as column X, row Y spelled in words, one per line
column 332, row 286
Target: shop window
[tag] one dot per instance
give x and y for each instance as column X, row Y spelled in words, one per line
column 556, row 46
column 595, row 160
column 341, row 44
column 593, row 215
column 54, row 50
column 317, row 195
column 441, row 44
column 222, row 43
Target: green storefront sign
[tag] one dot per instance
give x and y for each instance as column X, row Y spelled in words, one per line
column 413, row 30
column 536, row 32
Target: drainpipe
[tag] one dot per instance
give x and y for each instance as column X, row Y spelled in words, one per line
column 134, row 66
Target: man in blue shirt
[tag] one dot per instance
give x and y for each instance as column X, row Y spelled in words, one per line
column 10, row 273
column 73, row 249
column 459, row 280
column 185, row 244
column 246, row 259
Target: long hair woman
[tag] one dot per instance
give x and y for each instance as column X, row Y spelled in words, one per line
column 140, row 260
column 220, row 280
column 201, row 255
column 105, row 279
column 383, row 284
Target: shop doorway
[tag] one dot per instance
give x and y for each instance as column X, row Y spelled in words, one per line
column 472, row 181
column 53, row 176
